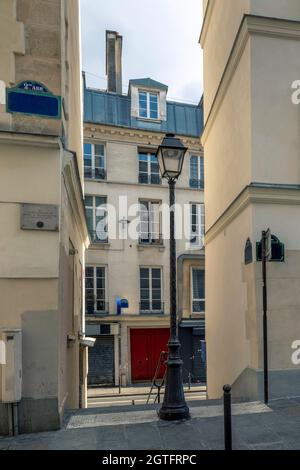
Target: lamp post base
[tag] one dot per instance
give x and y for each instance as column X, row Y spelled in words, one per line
column 174, row 407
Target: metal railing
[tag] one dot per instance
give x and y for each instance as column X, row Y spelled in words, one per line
column 98, row 237
column 163, row 357
column 155, row 307
column 144, row 178
column 94, row 173
column 96, row 307
column 196, row 184
column 151, row 239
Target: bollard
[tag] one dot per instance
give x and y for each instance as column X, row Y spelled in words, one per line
column 189, row 381
column 227, row 417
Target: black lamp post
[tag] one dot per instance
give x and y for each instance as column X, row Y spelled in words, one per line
column 170, row 155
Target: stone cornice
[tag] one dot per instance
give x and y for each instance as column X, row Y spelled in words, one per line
column 255, row 193
column 250, row 25
column 35, row 140
column 138, row 137
column 206, row 21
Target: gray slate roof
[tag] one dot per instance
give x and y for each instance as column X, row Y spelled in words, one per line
column 148, row 83
column 101, row 107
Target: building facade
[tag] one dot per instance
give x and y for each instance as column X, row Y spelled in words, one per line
column 44, row 230
column 251, row 140
column 127, row 265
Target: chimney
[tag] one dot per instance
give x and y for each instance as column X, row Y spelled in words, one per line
column 114, row 62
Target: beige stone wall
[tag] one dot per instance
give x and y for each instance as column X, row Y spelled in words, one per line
column 32, row 305
column 123, row 258
column 222, row 173
column 273, row 113
column 251, row 136
column 41, row 272
column 218, row 33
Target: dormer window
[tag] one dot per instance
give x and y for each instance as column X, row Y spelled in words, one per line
column 148, row 105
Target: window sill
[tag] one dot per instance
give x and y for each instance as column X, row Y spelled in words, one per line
column 158, row 121
column 142, row 246
column 158, row 314
column 158, row 185
column 98, row 314
column 99, row 246
column 95, row 179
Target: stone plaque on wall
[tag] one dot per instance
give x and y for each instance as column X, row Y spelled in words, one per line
column 43, row 217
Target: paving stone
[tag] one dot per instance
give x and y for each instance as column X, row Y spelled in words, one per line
column 255, row 427
column 143, row 436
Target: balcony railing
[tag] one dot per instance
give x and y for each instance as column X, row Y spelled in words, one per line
column 150, row 239
column 98, row 237
column 156, row 307
column 94, row 173
column 149, row 179
column 98, row 307
column 196, row 184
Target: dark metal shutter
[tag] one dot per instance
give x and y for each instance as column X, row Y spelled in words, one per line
column 101, row 361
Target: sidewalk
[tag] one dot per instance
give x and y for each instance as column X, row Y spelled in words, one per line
column 142, row 389
column 255, row 426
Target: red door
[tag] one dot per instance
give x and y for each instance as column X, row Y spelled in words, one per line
column 146, row 346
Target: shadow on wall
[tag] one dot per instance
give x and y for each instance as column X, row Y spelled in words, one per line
column 39, row 408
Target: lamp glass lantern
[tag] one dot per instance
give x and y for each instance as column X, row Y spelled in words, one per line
column 170, row 156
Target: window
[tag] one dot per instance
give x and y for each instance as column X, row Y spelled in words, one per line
column 149, row 228
column 96, row 215
column 197, row 172
column 198, row 290
column 148, row 105
column 197, row 224
column 148, row 169
column 150, row 290
column 94, row 161
column 95, row 290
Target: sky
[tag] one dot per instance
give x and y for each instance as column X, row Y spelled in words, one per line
column 160, row 40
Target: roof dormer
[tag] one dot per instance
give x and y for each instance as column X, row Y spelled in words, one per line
column 148, row 99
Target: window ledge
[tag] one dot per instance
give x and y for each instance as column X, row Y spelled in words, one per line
column 142, row 246
column 97, row 315
column 95, row 179
column 151, row 314
column 99, row 246
column 158, row 121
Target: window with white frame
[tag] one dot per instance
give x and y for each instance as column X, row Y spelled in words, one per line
column 95, row 290
column 96, row 215
column 148, row 168
column 197, row 172
column 150, row 289
column 197, row 231
column 94, row 161
column 198, row 290
column 148, row 105
column 150, row 222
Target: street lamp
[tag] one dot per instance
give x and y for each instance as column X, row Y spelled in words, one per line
column 170, row 155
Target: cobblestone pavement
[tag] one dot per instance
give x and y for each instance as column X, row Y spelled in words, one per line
column 255, row 426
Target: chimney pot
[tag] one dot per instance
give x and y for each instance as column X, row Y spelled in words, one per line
column 114, row 43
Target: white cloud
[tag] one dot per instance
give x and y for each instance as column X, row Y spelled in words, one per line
column 160, row 40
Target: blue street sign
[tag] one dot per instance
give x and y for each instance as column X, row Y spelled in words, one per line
column 33, row 98
column 121, row 303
